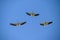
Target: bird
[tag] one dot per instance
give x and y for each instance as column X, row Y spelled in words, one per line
column 45, row 23
column 32, row 14
column 17, row 24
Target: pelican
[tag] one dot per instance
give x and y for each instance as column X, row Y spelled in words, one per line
column 45, row 23
column 32, row 14
column 17, row 24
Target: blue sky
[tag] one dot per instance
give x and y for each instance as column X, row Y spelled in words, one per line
column 15, row 11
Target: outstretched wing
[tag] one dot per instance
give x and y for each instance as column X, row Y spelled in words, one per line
column 42, row 24
column 36, row 15
column 22, row 23
column 28, row 13
column 12, row 24
column 50, row 22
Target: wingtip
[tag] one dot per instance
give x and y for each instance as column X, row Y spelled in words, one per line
column 37, row 14
column 12, row 24
column 50, row 22
column 26, row 12
column 25, row 22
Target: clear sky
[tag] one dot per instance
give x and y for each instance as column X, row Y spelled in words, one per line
column 15, row 11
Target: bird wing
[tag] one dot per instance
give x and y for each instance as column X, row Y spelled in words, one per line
column 28, row 13
column 22, row 23
column 13, row 24
column 42, row 24
column 36, row 14
column 50, row 22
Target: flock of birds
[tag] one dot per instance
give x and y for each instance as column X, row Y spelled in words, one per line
column 31, row 14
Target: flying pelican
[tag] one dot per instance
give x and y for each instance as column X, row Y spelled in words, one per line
column 17, row 24
column 32, row 14
column 45, row 23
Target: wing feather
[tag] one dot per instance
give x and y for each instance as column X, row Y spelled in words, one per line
column 50, row 22
column 22, row 23
column 12, row 24
column 36, row 14
column 28, row 14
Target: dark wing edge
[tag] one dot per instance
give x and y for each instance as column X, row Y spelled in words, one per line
column 36, row 14
column 50, row 22
column 12, row 24
column 28, row 14
column 23, row 23
column 42, row 24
